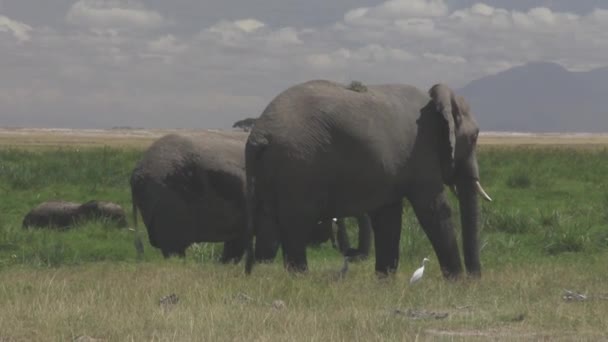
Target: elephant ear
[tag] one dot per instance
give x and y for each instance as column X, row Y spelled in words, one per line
column 446, row 105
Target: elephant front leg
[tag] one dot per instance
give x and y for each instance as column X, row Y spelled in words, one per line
column 435, row 217
column 386, row 223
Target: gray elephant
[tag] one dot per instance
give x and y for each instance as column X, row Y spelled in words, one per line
column 103, row 210
column 192, row 189
column 64, row 214
column 321, row 150
column 324, row 232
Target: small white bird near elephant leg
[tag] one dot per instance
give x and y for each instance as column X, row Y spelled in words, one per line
column 419, row 272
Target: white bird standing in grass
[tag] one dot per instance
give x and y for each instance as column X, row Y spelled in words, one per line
column 418, row 273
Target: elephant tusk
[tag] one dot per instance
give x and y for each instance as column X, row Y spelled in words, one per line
column 481, row 192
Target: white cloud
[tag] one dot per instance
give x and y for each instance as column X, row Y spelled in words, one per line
column 320, row 60
column 441, row 58
column 284, row 36
column 113, row 14
column 233, row 33
column 128, row 66
column 398, row 9
column 18, row 29
column 249, row 25
column 167, row 44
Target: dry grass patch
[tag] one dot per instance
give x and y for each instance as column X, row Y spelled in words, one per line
column 121, row 302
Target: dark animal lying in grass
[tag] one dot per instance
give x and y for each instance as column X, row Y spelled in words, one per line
column 102, row 210
column 63, row 214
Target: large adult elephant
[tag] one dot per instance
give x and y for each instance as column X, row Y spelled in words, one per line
column 192, row 189
column 321, row 150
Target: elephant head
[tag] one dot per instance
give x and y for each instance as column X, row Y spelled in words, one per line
column 459, row 166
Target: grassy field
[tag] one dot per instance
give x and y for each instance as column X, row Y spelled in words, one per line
column 546, row 231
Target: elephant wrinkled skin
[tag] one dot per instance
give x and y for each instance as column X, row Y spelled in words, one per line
column 320, row 150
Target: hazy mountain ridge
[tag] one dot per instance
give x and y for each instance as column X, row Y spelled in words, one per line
column 540, row 97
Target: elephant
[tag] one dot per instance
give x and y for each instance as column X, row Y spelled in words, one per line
column 192, row 189
column 104, row 210
column 63, row 214
column 322, row 150
column 322, row 234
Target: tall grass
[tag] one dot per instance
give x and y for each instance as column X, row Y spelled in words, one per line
column 547, row 202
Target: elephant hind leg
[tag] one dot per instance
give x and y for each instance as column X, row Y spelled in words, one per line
column 293, row 243
column 365, row 236
column 233, row 250
column 386, row 222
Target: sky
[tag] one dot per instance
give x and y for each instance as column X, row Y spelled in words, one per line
column 207, row 64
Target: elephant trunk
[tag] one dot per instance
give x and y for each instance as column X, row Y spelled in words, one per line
column 469, row 219
column 468, row 188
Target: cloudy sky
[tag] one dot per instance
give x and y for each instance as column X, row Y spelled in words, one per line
column 206, row 64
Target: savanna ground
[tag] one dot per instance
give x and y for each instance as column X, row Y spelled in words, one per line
column 546, row 231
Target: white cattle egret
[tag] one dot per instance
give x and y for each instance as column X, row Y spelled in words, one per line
column 418, row 273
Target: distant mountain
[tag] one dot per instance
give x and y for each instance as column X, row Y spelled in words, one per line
column 540, row 97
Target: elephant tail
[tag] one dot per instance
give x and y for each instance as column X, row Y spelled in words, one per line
column 139, row 245
column 134, row 213
column 256, row 144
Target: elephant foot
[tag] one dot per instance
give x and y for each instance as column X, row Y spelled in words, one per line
column 385, row 275
column 451, row 276
column 355, row 255
column 169, row 254
column 474, row 274
column 296, row 269
column 230, row 259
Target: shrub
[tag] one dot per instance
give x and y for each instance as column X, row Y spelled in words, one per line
column 511, row 222
column 562, row 235
column 357, row 87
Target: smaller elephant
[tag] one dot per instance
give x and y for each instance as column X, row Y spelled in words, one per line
column 103, row 210
column 63, row 214
column 192, row 189
column 324, row 232
column 267, row 245
column 365, row 238
column 58, row 214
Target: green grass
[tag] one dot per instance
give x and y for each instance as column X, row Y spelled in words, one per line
column 546, row 230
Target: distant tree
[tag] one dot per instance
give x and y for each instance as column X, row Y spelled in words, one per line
column 245, row 124
column 357, row 86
